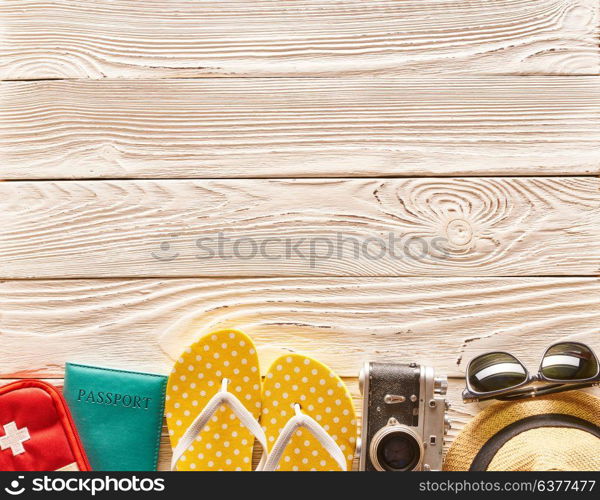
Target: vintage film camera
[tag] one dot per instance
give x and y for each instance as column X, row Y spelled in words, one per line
column 404, row 417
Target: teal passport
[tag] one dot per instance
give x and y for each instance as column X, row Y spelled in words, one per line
column 118, row 415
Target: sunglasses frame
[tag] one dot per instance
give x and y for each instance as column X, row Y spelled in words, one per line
column 516, row 391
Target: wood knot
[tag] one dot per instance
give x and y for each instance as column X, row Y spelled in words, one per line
column 459, row 232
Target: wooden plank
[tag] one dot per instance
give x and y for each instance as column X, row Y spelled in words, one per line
column 300, row 127
column 375, row 227
column 459, row 412
column 168, row 38
column 145, row 324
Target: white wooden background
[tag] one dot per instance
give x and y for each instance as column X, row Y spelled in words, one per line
column 125, row 125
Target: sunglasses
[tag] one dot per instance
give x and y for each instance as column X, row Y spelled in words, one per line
column 565, row 366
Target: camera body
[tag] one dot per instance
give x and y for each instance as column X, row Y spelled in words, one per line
column 404, row 417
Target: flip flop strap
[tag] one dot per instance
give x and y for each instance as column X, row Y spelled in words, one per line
column 223, row 397
column 303, row 420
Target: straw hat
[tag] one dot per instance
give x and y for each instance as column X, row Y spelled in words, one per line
column 556, row 432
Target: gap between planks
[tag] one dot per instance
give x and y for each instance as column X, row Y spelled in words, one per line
column 315, row 178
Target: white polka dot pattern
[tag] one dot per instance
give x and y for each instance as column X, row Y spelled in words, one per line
column 224, row 444
column 295, row 378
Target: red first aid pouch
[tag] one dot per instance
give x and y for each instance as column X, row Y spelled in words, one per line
column 36, row 430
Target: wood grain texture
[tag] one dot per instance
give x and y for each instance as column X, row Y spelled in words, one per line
column 145, row 324
column 383, row 227
column 300, row 127
column 140, row 238
column 460, row 413
column 168, row 38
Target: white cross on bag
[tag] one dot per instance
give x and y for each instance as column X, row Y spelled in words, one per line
column 14, row 438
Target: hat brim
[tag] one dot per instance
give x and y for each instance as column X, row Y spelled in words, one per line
column 476, row 446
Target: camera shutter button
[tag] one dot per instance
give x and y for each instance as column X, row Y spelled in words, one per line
column 440, row 385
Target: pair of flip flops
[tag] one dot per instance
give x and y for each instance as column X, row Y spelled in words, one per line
column 215, row 401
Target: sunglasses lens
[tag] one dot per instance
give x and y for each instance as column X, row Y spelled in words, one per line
column 569, row 361
column 495, row 371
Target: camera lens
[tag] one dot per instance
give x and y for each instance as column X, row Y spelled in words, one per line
column 396, row 447
column 398, row 452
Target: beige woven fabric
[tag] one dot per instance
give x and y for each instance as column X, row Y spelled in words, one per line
column 556, row 448
column 498, row 415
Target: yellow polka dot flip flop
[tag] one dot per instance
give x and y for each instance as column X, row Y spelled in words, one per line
column 308, row 417
column 213, row 402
